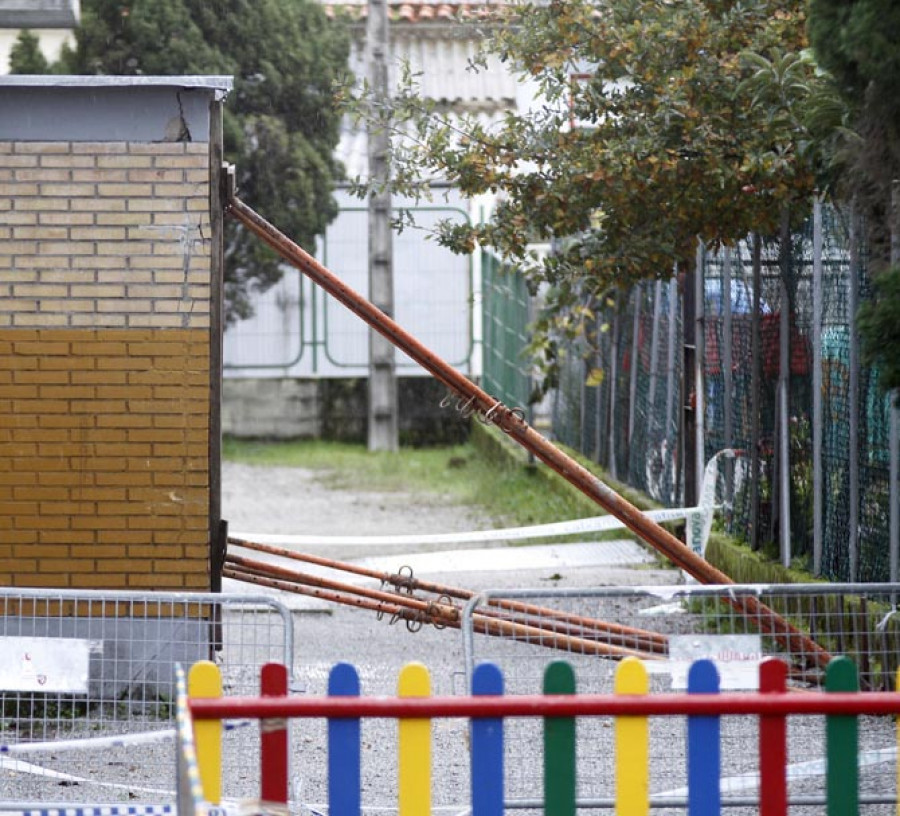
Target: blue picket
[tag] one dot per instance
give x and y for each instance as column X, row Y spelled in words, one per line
column 703, row 749
column 344, row 777
column 487, row 747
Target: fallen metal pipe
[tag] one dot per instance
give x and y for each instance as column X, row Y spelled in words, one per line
column 540, row 616
column 511, row 421
column 238, row 574
column 417, row 611
column 436, row 612
column 260, row 568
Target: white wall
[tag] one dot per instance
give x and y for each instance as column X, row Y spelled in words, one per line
column 51, row 42
column 298, row 331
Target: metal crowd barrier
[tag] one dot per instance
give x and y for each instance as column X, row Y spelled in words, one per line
column 88, row 685
column 669, row 627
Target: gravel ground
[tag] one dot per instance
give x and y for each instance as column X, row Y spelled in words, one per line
column 290, row 500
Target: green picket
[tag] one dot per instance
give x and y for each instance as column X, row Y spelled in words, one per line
column 559, row 746
column 842, row 743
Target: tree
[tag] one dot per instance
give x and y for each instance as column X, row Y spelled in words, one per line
column 658, row 123
column 281, row 127
column 879, row 325
column 25, row 56
column 858, row 42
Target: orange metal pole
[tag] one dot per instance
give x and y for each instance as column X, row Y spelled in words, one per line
column 479, row 401
column 512, row 422
column 540, row 616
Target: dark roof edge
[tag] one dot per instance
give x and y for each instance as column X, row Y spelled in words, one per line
column 38, row 19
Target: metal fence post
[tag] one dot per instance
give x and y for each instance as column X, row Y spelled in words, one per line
column 894, row 441
column 727, row 363
column 755, row 384
column 853, row 396
column 582, row 407
column 692, row 375
column 654, row 348
column 894, row 490
column 613, row 378
column 670, row 375
column 635, row 361
column 598, row 404
column 784, row 379
column 818, row 417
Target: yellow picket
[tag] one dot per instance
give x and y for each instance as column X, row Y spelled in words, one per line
column 205, row 681
column 414, row 771
column 632, row 744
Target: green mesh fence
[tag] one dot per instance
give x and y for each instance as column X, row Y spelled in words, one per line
column 854, row 478
column 654, row 375
column 506, row 315
column 630, row 422
column 868, row 407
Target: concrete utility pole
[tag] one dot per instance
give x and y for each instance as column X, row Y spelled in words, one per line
column 383, row 407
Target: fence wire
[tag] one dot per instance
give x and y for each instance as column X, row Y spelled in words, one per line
column 108, row 661
column 771, row 328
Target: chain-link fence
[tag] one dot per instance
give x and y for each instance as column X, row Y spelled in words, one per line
column 669, row 627
column 506, row 313
column 779, row 376
column 88, row 682
column 629, row 421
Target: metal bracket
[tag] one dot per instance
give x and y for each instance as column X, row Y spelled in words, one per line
column 229, row 185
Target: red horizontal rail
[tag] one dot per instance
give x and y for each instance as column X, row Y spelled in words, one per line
column 551, row 705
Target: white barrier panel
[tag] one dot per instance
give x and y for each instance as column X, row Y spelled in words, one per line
column 45, row 664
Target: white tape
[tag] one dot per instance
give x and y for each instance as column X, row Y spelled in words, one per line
column 94, row 743
column 226, row 808
column 811, row 768
column 97, row 810
column 19, row 766
column 89, row 743
column 594, row 524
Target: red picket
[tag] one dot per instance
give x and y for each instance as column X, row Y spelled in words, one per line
column 273, row 737
column 773, row 743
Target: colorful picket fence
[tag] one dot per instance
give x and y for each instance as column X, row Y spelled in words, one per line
column 630, row 705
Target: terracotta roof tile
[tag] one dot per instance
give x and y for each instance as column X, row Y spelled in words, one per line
column 418, row 12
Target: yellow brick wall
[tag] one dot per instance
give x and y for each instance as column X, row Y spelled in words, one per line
column 104, row 365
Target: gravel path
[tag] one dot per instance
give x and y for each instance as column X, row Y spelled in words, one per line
column 295, row 500
column 284, row 500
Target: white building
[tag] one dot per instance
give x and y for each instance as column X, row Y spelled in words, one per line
column 276, row 361
column 51, row 21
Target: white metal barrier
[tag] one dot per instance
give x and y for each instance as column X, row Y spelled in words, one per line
column 88, row 685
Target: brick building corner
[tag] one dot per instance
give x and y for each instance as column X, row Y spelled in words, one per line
column 110, row 331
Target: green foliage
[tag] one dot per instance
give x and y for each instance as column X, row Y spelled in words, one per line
column 857, row 42
column 280, row 124
column 659, row 122
column 879, row 327
column 25, row 56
